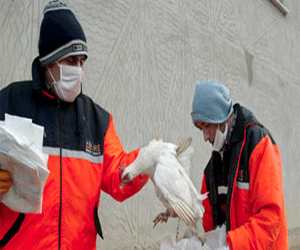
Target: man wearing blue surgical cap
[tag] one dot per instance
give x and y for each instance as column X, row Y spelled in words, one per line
column 243, row 176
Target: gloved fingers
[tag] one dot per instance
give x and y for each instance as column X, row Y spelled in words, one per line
column 5, row 175
column 5, row 181
column 4, row 189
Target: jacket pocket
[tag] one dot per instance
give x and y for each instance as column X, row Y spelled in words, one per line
column 243, row 202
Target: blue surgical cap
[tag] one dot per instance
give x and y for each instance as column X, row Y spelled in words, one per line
column 211, row 103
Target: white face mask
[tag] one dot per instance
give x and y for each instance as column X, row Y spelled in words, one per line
column 69, row 85
column 220, row 139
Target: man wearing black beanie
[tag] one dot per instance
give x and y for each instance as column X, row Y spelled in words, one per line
column 85, row 153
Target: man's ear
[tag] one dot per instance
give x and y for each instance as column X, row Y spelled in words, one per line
column 200, row 124
column 50, row 73
column 222, row 126
column 50, row 66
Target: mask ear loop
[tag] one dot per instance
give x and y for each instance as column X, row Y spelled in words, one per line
column 53, row 79
column 226, row 129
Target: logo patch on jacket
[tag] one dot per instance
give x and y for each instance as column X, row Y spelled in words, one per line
column 241, row 175
column 93, row 149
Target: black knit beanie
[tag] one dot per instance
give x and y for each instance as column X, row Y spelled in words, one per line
column 61, row 35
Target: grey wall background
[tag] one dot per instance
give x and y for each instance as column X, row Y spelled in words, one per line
column 146, row 57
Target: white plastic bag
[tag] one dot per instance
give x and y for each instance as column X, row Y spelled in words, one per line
column 215, row 240
column 185, row 244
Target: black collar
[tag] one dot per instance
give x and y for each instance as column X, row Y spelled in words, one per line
column 244, row 118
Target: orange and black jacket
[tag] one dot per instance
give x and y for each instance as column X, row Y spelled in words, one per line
column 245, row 188
column 85, row 155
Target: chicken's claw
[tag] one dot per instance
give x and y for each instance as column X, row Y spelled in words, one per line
column 162, row 217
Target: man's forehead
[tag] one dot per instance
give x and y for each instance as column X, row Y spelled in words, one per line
column 74, row 57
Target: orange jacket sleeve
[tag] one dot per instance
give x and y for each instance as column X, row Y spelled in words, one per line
column 266, row 227
column 114, row 156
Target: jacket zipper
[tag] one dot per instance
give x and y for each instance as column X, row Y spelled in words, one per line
column 60, row 189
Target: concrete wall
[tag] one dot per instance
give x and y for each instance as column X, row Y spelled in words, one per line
column 146, row 57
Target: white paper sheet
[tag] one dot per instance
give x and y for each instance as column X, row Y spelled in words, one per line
column 21, row 153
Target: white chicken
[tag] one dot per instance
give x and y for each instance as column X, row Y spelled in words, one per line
column 164, row 163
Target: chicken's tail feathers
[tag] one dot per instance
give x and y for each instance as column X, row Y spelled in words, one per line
column 184, row 153
column 200, row 207
column 202, row 197
column 183, row 145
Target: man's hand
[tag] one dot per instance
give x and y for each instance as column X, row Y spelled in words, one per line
column 5, row 181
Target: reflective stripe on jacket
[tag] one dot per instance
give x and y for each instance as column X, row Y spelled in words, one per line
column 255, row 214
column 85, row 155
